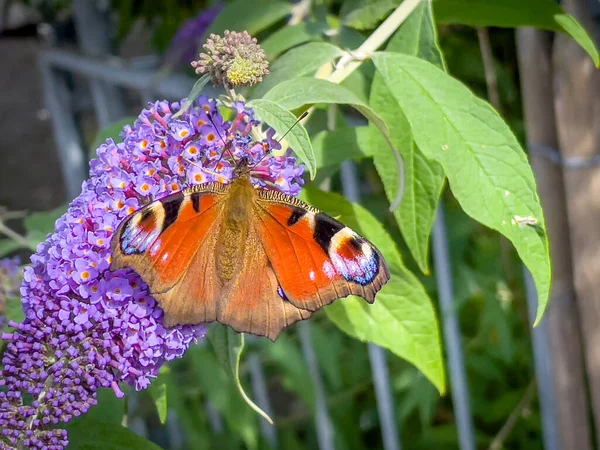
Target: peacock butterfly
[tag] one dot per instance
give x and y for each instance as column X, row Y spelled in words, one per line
column 254, row 259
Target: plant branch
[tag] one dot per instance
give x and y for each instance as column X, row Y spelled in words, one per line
column 21, row 240
column 349, row 63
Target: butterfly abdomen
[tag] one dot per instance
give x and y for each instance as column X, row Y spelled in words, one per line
column 231, row 245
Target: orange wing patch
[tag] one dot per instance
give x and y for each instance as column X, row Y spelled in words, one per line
column 316, row 258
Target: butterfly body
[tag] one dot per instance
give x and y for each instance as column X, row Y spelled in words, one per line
column 251, row 258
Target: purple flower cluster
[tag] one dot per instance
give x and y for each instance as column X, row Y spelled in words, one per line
column 86, row 327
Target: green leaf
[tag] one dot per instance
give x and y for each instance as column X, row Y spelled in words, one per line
column 283, row 121
column 291, row 367
column 194, row 94
column 423, row 179
column 106, row 436
column 40, row 224
column 158, row 391
column 13, row 309
column 295, row 93
column 242, row 15
column 402, row 319
column 288, row 37
column 334, row 147
column 112, row 131
column 110, row 409
column 368, row 14
column 222, row 391
column 7, row 246
column 544, row 14
column 299, row 61
column 228, row 346
column 486, row 167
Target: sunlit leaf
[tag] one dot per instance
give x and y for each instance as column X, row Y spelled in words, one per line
column 486, row 167
column 283, row 121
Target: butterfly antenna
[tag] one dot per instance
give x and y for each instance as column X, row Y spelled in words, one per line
column 226, row 145
column 267, row 147
column 304, row 114
column 201, row 167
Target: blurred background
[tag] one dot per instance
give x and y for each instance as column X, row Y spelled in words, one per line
column 75, row 71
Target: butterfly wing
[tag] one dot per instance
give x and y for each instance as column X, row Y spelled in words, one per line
column 168, row 243
column 253, row 303
column 315, row 258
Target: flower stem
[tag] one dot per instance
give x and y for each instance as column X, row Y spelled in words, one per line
column 349, row 63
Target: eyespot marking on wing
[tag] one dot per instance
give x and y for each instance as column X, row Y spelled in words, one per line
column 140, row 231
column 353, row 257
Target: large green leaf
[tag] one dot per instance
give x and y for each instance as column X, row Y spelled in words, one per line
column 106, row 436
column 544, row 14
column 301, row 91
column 242, row 15
column 486, row 167
column 299, row 61
column 283, row 121
column 228, row 346
column 423, row 178
column 288, row 37
column 334, row 147
column 402, row 319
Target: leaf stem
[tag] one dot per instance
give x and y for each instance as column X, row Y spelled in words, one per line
column 349, row 63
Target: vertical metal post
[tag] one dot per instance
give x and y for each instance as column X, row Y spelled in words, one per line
column 94, row 36
column 377, row 355
column 68, row 143
column 323, row 424
column 452, row 338
column 261, row 396
column 543, row 368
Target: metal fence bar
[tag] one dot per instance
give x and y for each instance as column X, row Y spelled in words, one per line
column 66, row 134
column 452, row 338
column 115, row 71
column 542, row 358
column 323, row 424
column 377, row 355
column 94, row 38
column 261, row 396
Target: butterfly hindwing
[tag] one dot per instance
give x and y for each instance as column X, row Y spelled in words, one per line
column 316, row 258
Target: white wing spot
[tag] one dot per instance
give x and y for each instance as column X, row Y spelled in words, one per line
column 311, row 275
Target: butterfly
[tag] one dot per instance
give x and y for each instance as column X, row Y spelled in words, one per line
column 254, row 259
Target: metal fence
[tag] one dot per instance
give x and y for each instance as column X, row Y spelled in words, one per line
column 107, row 75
